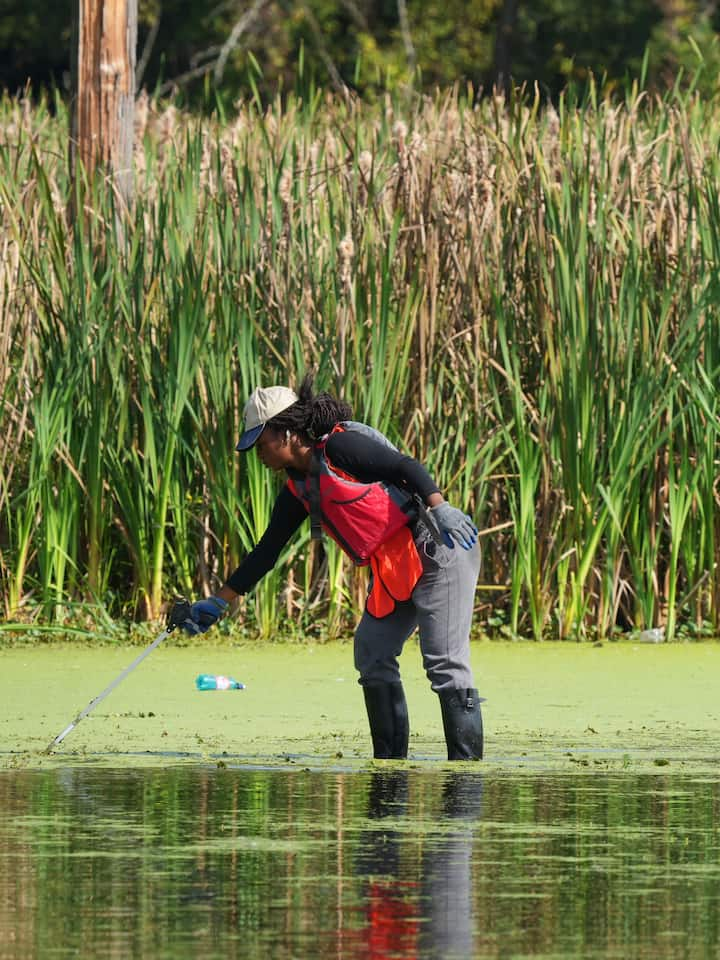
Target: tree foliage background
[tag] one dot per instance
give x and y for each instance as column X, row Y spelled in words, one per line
column 222, row 48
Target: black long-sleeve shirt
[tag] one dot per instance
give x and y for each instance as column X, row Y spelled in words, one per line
column 363, row 457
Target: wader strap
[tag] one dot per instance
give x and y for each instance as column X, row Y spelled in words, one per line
column 313, row 496
column 424, row 514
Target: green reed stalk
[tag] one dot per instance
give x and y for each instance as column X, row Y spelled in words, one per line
column 516, row 416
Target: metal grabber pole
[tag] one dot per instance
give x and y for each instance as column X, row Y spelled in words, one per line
column 179, row 613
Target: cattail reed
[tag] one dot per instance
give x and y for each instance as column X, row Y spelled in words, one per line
column 525, row 296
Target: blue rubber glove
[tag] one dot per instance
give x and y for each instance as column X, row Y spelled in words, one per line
column 205, row 613
column 453, row 524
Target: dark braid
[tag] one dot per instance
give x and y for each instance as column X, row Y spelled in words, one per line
column 313, row 415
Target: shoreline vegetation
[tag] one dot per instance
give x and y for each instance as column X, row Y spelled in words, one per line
column 525, row 296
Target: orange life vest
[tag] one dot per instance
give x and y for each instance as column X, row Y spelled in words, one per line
column 369, row 521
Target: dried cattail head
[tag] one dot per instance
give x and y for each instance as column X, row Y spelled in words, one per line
column 142, row 110
column 346, row 251
column 285, row 186
column 485, row 188
column 346, row 248
column 451, row 126
column 456, row 185
column 655, row 178
column 271, row 123
column 238, row 128
column 167, row 124
column 308, row 301
column 27, row 113
column 227, row 168
column 365, row 162
column 314, row 153
column 417, row 144
column 400, row 132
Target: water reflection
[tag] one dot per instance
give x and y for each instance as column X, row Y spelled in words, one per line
column 402, row 863
column 447, row 873
column 391, row 913
column 433, row 914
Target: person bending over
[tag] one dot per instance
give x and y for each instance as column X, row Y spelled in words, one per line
column 384, row 510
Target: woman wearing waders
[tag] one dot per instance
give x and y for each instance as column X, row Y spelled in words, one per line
column 384, row 510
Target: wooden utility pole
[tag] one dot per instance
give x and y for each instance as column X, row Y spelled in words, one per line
column 103, row 119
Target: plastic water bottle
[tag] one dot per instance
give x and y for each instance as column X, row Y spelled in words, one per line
column 211, row 681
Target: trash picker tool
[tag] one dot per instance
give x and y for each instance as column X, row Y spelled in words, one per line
column 179, row 613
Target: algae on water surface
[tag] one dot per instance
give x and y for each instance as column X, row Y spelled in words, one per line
column 564, row 705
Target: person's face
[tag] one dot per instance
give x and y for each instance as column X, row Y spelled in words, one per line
column 274, row 449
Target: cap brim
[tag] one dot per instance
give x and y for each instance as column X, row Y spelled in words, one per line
column 249, row 438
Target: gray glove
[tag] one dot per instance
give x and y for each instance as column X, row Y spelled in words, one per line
column 453, row 524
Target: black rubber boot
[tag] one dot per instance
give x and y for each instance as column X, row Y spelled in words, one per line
column 462, row 723
column 388, row 715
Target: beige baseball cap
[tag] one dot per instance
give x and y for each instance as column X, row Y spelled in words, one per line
column 264, row 404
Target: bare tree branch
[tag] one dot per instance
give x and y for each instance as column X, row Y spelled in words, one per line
column 214, row 58
column 184, row 78
column 202, row 56
column 217, row 64
column 407, row 38
column 147, row 49
column 332, row 70
column 357, row 15
column 232, row 41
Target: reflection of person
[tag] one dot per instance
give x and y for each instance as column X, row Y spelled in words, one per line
column 447, row 872
column 431, row 917
column 392, row 913
column 384, row 509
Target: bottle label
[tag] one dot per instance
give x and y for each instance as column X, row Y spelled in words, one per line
column 223, row 683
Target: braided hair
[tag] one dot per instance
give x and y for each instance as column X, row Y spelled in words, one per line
column 312, row 415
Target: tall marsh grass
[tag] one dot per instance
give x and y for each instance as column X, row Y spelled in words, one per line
column 525, row 297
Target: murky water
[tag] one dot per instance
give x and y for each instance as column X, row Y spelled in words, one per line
column 208, row 862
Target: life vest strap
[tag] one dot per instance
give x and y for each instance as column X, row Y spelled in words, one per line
column 313, row 496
